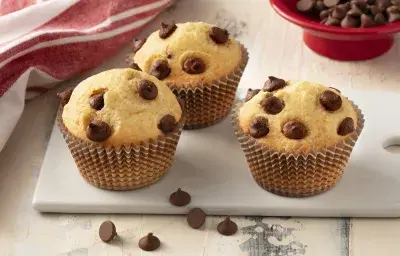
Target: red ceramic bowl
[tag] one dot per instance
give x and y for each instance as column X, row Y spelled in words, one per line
column 337, row 42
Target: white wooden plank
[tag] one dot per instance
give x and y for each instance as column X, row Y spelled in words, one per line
column 373, row 237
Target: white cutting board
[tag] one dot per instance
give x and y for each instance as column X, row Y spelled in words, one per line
column 210, row 165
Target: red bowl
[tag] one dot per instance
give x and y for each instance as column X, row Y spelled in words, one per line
column 337, row 42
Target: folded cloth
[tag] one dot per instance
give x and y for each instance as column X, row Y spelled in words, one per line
column 43, row 42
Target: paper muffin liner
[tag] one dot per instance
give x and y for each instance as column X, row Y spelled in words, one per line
column 122, row 168
column 209, row 103
column 295, row 174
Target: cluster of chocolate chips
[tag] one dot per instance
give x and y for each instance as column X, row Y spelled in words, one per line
column 196, row 216
column 193, row 65
column 352, row 14
column 292, row 129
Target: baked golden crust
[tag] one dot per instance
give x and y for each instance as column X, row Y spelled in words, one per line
column 131, row 117
column 301, row 103
column 190, row 40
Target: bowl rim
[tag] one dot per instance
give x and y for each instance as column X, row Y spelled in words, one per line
column 302, row 21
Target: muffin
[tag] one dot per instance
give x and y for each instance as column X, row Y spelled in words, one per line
column 297, row 136
column 201, row 64
column 122, row 127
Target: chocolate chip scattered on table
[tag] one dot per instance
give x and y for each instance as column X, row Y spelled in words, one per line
column 353, row 13
column 107, row 231
column 196, row 218
column 149, row 243
column 227, row 227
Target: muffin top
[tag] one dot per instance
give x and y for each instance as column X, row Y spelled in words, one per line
column 297, row 115
column 121, row 106
column 187, row 54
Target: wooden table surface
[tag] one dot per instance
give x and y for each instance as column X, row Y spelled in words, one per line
column 23, row 231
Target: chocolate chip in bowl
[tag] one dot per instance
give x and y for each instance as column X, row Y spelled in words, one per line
column 350, row 13
column 346, row 30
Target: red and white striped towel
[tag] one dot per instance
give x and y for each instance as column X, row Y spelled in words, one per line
column 46, row 41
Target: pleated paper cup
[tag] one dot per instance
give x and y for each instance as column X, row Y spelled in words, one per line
column 209, row 103
column 122, row 168
column 295, row 174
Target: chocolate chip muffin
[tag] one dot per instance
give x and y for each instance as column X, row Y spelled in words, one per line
column 201, row 63
column 297, row 136
column 122, row 127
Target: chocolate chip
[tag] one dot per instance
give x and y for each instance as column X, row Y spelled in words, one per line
column 219, row 35
column 107, row 231
column 194, row 65
column 272, row 105
column 166, row 30
column 319, row 6
column 137, row 44
column 259, row 127
column 331, row 3
column 380, row 19
column 179, row 198
column 167, row 124
column 294, row 130
column 149, row 243
column 393, row 17
column 274, row 84
column 96, row 101
column 346, row 126
column 147, row 90
column 355, row 11
column 374, row 10
column 339, row 12
column 350, row 22
column 366, row 21
column 330, row 100
column 383, row 3
column 305, row 5
column 227, row 227
column 98, row 131
column 196, row 218
column 362, row 4
column 135, row 66
column 396, row 2
column 65, row 96
column 160, row 69
column 332, row 22
column 251, row 93
column 392, row 9
column 324, row 14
